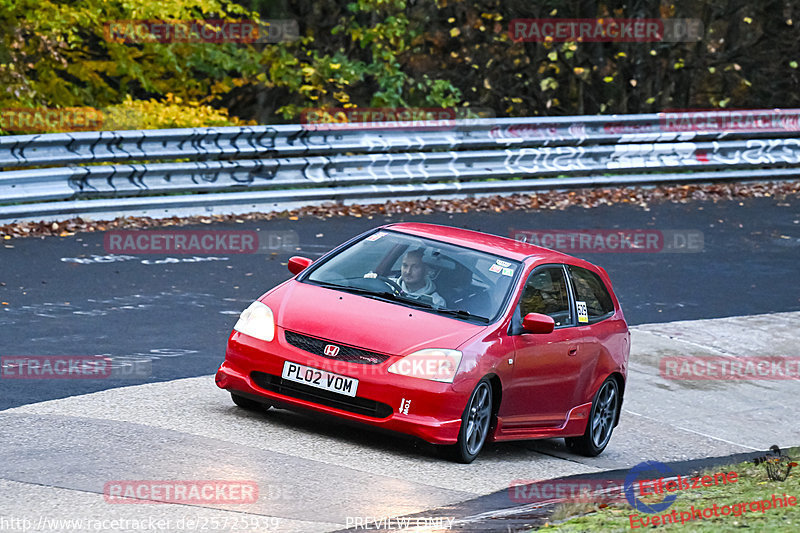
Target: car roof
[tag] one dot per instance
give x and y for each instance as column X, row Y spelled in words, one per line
column 484, row 242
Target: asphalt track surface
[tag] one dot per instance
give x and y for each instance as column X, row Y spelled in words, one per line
column 176, row 316
column 170, row 320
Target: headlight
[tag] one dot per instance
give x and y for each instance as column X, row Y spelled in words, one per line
column 435, row 364
column 257, row 321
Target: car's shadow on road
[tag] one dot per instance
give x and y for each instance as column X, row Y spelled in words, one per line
column 399, row 444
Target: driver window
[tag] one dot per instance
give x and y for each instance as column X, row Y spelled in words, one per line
column 546, row 293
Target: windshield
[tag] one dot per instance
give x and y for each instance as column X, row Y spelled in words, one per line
column 431, row 275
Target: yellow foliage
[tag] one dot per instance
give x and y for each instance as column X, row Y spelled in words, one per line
column 172, row 112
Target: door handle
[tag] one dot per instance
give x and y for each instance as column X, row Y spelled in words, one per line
column 573, row 350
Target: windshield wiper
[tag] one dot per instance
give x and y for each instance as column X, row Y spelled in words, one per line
column 452, row 312
column 358, row 290
column 461, row 313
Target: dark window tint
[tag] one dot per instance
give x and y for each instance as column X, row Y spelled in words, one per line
column 589, row 289
column 546, row 293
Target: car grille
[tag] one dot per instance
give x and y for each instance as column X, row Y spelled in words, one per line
column 346, row 353
column 360, row 406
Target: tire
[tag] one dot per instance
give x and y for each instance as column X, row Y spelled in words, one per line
column 475, row 423
column 248, row 404
column 601, row 421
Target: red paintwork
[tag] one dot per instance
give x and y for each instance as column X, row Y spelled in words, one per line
column 547, row 390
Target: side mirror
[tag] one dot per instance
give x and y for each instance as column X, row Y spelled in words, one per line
column 538, row 323
column 297, row 264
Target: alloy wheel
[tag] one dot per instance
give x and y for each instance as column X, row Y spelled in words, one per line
column 479, row 414
column 605, row 413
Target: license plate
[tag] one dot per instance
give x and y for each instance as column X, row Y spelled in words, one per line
column 319, row 379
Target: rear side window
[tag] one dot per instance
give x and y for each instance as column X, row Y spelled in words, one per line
column 590, row 290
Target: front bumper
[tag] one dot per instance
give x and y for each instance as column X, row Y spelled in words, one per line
column 426, row 409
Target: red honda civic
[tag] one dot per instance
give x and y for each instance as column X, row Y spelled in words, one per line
column 450, row 335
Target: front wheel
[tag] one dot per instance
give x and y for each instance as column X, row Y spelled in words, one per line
column 475, row 424
column 247, row 403
column 601, row 422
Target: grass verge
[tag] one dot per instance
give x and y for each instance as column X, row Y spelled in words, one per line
column 752, row 485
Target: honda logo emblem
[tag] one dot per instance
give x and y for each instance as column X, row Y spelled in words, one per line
column 331, row 350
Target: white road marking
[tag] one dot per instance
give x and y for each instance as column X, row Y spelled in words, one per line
column 691, row 430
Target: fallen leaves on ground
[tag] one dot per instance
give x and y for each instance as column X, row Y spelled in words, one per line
column 551, row 200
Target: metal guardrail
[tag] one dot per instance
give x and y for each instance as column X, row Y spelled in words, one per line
column 210, row 170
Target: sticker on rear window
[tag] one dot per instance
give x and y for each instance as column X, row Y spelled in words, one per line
column 503, row 263
column 583, row 313
column 495, row 268
column 376, row 236
column 508, row 271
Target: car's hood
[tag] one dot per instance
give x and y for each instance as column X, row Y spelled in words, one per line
column 364, row 322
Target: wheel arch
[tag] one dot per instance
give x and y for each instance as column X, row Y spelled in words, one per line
column 616, row 376
column 497, row 395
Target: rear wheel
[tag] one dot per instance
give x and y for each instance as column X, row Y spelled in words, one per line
column 475, row 424
column 601, row 421
column 247, row 403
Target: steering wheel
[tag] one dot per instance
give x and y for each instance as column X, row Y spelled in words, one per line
column 393, row 285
